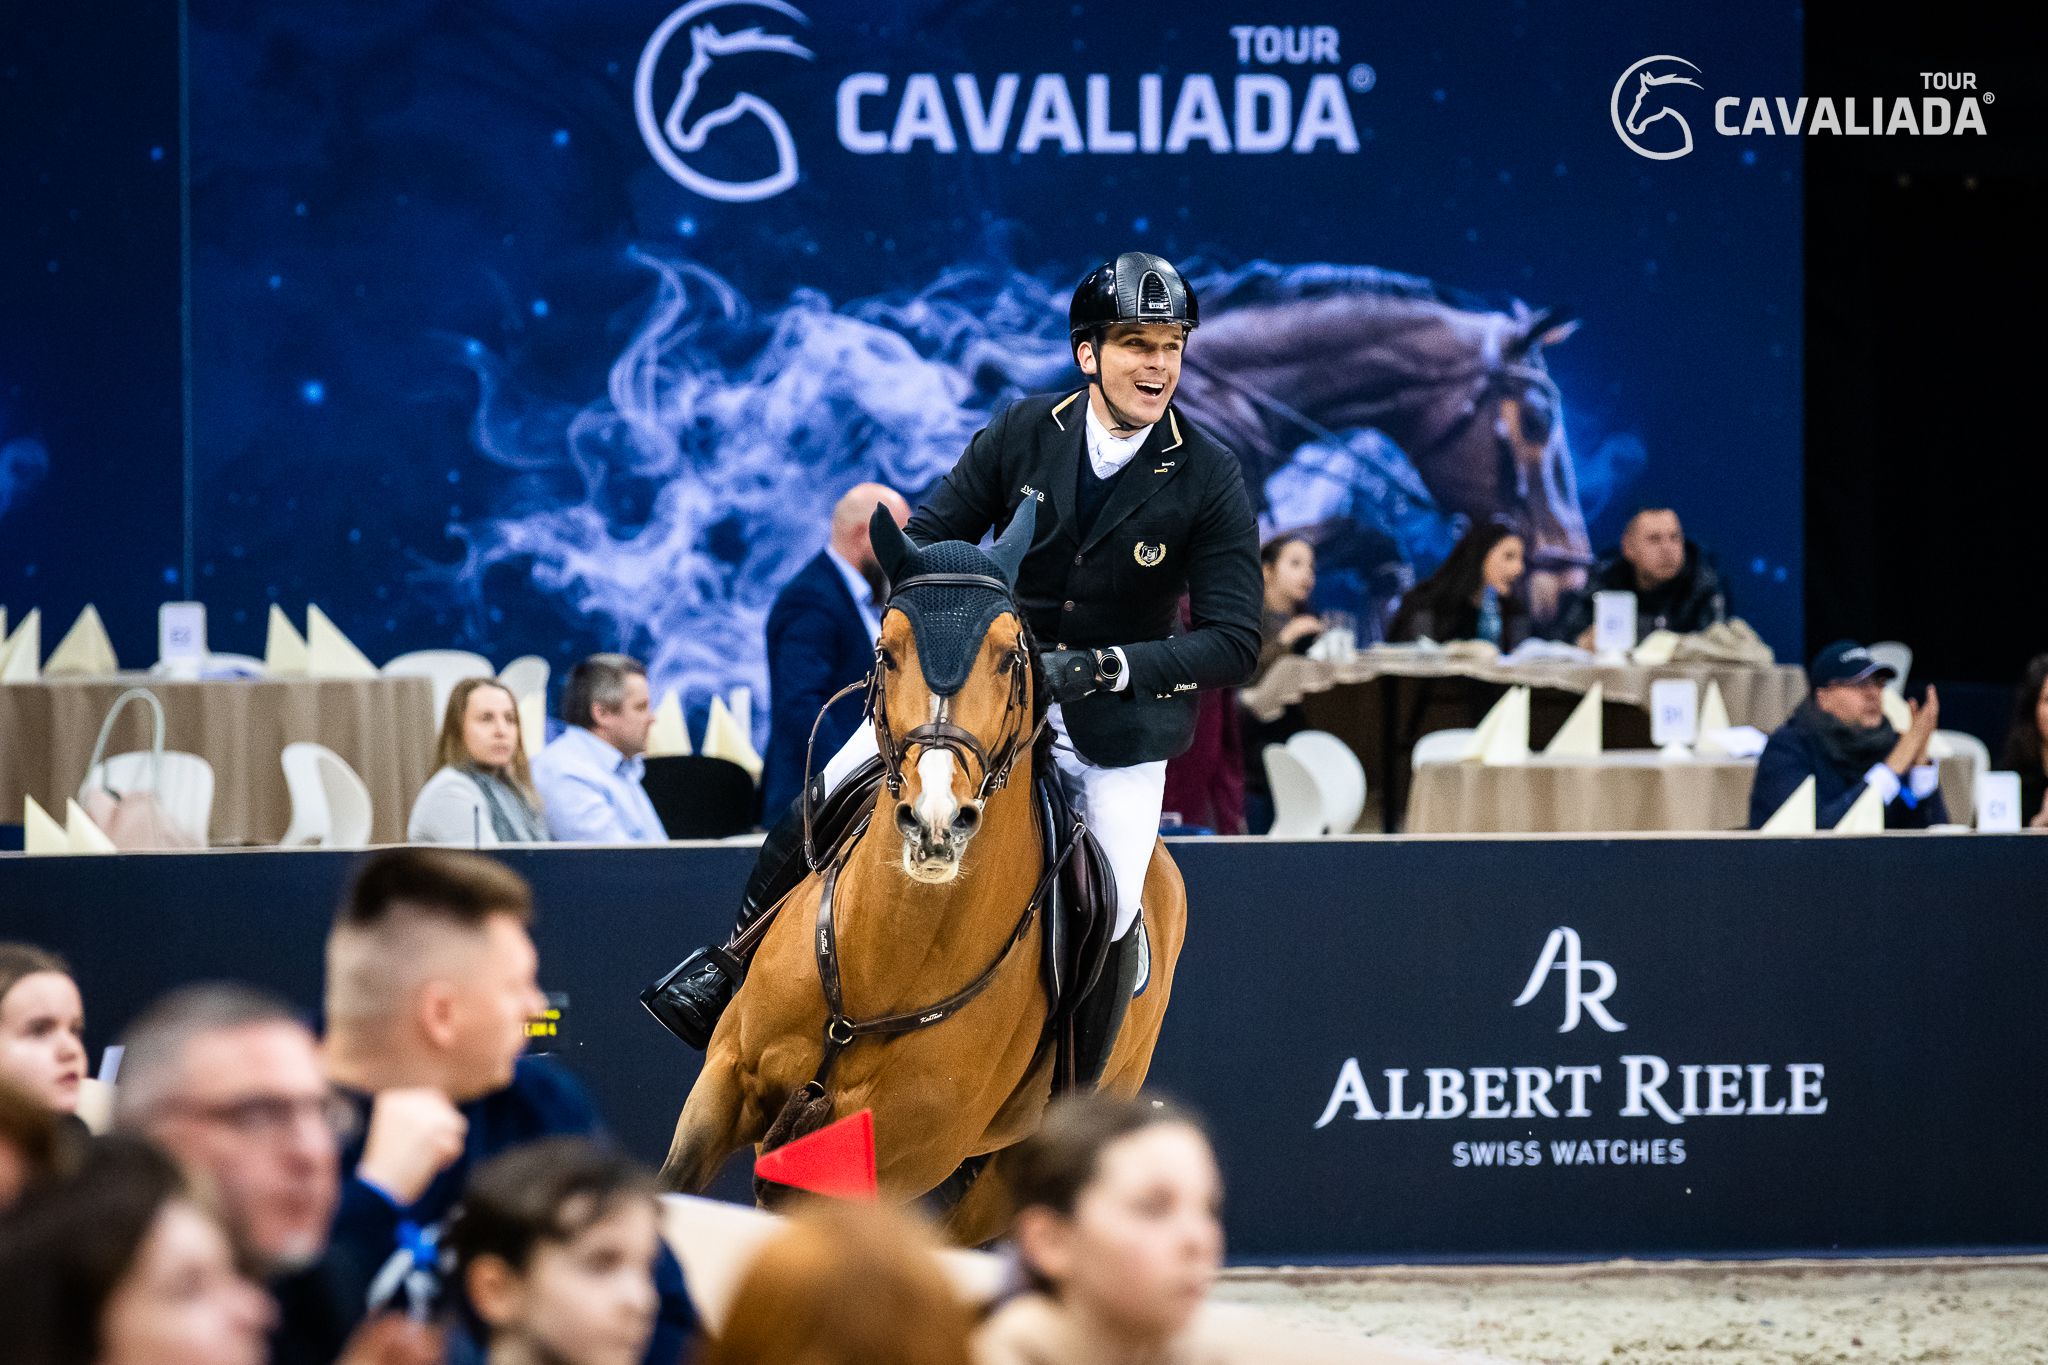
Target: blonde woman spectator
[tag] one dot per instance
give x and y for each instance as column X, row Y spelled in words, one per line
column 482, row 792
column 1118, row 1229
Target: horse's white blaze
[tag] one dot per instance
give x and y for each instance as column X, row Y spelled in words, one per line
column 936, row 804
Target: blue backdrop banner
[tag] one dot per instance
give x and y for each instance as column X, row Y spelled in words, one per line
column 556, row 326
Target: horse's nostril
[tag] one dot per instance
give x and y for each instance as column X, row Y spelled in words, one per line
column 906, row 820
column 967, row 821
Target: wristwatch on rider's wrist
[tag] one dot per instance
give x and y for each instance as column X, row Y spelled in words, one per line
column 1109, row 667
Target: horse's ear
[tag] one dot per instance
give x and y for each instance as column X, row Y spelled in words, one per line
column 892, row 548
column 1008, row 551
column 1546, row 328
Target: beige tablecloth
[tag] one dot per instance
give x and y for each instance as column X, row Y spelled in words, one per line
column 384, row 727
column 1763, row 697
column 1630, row 789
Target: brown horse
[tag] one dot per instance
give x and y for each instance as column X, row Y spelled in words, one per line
column 927, row 903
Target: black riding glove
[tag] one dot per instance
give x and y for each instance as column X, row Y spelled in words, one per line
column 1069, row 673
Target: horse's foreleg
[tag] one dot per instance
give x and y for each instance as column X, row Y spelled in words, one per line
column 713, row 1125
column 983, row 1213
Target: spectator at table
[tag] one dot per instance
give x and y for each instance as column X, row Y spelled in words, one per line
column 1286, row 626
column 1118, row 1231
column 2026, row 743
column 120, row 1263
column 481, row 793
column 589, row 775
column 1471, row 596
column 431, row 979
column 42, row 1027
column 821, row 636
column 1840, row 738
column 1675, row 583
column 554, row 1252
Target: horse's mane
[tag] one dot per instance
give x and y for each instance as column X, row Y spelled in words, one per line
column 1264, row 282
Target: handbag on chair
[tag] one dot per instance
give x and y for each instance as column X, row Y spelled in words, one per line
column 135, row 819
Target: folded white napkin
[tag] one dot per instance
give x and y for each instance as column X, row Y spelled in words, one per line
column 21, row 656
column 83, row 835
column 41, row 834
column 1796, row 816
column 1503, row 735
column 85, row 650
column 329, row 653
column 1582, row 733
column 284, row 650
column 1865, row 814
column 670, row 737
column 723, row 738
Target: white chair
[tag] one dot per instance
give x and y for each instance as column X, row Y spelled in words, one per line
column 1899, row 658
column 526, row 676
column 1337, row 772
column 1439, row 746
column 310, row 819
column 348, row 802
column 330, row 803
column 1299, row 811
column 446, row 667
column 185, row 792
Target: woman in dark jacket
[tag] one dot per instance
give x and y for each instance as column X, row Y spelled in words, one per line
column 1471, row 597
column 2026, row 743
column 1286, row 626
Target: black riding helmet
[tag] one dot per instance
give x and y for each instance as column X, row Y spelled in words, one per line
column 1135, row 287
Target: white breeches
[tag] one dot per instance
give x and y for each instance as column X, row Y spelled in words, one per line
column 1121, row 806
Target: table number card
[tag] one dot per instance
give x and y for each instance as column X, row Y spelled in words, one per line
column 1998, row 803
column 1674, row 711
column 1614, row 622
column 181, row 637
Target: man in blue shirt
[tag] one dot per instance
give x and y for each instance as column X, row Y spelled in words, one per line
column 589, row 775
column 431, row 978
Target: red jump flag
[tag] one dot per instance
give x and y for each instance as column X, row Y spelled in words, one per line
column 838, row 1160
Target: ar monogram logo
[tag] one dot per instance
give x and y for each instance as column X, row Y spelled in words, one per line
column 1561, row 953
column 1149, row 556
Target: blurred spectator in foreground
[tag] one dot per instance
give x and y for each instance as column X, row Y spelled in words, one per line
column 2026, row 743
column 1840, row 738
column 1285, row 627
column 431, row 979
column 119, row 1264
column 42, row 1026
column 34, row 1147
column 821, row 636
column 227, row 1080
column 845, row 1284
column 1471, row 596
column 589, row 775
column 482, row 791
column 1119, row 1231
column 554, row 1251
column 1674, row 581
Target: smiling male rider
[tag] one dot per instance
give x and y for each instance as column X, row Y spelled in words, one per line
column 1137, row 506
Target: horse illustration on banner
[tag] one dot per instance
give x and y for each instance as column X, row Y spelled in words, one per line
column 1378, row 407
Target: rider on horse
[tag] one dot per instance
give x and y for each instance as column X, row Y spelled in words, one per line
column 1137, row 506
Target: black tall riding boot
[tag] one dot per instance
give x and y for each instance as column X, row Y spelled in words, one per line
column 1100, row 1015
column 688, row 1001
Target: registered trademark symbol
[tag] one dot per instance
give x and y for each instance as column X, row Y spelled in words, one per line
column 1363, row 78
column 1989, row 97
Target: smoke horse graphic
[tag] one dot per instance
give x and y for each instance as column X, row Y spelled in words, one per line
column 670, row 510
column 684, row 130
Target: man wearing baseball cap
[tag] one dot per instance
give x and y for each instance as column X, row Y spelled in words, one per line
column 1840, row 738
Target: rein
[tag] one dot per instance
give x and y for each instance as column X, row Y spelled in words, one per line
column 841, row 1029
